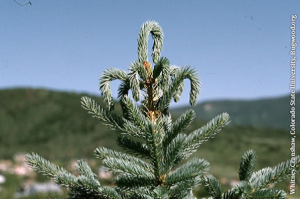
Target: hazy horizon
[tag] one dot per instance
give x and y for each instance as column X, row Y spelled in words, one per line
column 173, row 104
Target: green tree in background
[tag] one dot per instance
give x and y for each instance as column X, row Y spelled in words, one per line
column 154, row 165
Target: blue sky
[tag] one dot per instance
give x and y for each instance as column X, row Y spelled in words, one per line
column 240, row 48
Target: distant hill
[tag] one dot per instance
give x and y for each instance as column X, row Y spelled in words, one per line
column 269, row 112
column 54, row 125
column 49, row 122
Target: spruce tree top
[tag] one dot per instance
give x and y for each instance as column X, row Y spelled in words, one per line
column 155, row 87
column 155, row 145
column 159, row 84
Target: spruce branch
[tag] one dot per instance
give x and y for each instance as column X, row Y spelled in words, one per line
column 230, row 194
column 66, row 180
column 47, row 168
column 137, row 193
column 179, row 76
column 164, row 125
column 161, row 192
column 81, row 186
column 173, row 150
column 137, row 68
column 134, row 70
column 183, row 188
column 269, row 194
column 134, row 147
column 174, row 70
column 88, row 184
column 182, row 146
column 178, row 92
column 264, row 177
column 212, row 186
column 162, row 71
column 135, row 114
column 179, row 126
column 106, row 116
column 110, row 119
column 191, row 196
column 157, row 35
column 124, row 88
column 128, row 181
column 132, row 130
column 256, row 186
column 104, row 153
column 105, row 79
column 154, row 142
column 247, row 165
column 240, row 190
column 110, row 193
column 124, row 166
column 85, row 190
column 197, row 137
column 84, row 169
column 191, row 169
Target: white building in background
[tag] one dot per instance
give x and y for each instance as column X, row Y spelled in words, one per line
column 37, row 188
column 2, row 179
